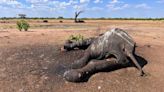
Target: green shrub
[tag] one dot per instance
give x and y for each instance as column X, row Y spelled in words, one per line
column 76, row 38
column 25, row 25
column 19, row 25
column 22, row 24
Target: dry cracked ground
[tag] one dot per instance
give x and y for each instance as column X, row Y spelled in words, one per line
column 32, row 61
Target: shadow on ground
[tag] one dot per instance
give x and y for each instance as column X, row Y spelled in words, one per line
column 66, row 58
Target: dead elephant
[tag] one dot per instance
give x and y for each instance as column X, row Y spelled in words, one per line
column 115, row 44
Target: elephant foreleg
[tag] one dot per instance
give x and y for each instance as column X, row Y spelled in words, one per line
column 77, row 75
column 81, row 62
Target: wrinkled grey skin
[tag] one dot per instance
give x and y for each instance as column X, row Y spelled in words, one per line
column 115, row 43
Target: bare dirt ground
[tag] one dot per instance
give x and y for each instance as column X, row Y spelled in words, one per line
column 32, row 61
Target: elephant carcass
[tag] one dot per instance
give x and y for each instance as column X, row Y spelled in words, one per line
column 115, row 43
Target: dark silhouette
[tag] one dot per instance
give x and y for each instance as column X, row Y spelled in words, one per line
column 45, row 21
column 22, row 16
column 61, row 21
column 76, row 17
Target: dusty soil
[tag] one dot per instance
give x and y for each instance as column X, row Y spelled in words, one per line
column 32, row 61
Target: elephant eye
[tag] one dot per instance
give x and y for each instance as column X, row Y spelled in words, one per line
column 123, row 47
column 69, row 41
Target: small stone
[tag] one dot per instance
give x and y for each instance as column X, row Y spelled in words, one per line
column 2, row 69
column 42, row 55
column 37, row 86
column 47, row 61
column 101, row 81
column 45, row 68
column 21, row 90
column 99, row 87
column 45, row 77
column 66, row 82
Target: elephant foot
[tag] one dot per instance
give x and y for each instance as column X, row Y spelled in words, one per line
column 73, row 76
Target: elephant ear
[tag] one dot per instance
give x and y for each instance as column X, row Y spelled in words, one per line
column 124, row 35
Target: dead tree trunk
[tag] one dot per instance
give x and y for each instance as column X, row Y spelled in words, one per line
column 76, row 16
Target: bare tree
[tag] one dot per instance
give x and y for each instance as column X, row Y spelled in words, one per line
column 76, row 16
column 23, row 16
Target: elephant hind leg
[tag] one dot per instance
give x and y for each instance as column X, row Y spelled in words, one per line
column 98, row 65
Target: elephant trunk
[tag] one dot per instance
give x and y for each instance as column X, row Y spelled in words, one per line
column 136, row 63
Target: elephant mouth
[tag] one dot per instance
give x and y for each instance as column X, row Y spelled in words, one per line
column 111, row 57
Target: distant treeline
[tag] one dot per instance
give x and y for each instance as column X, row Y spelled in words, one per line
column 122, row 18
column 8, row 18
